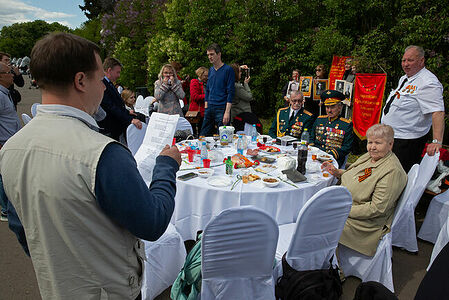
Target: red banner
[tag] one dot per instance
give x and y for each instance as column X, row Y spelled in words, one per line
column 337, row 70
column 368, row 95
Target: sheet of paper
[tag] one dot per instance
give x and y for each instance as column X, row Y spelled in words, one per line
column 160, row 131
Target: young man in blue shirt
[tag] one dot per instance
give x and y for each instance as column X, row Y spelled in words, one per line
column 219, row 93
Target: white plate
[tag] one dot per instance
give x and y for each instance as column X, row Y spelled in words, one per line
column 219, row 181
column 206, row 172
column 270, row 184
column 324, row 157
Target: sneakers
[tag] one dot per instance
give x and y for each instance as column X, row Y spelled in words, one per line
column 4, row 217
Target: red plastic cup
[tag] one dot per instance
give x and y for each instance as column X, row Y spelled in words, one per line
column 173, row 142
column 191, row 154
column 206, row 163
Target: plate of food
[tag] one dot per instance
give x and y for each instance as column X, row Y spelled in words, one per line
column 206, row 172
column 265, row 159
column 219, row 181
column 269, row 149
column 250, row 178
column 324, row 157
column 270, row 181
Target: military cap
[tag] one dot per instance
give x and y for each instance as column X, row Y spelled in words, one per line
column 332, row 97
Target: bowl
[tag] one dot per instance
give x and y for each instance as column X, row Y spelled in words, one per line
column 205, row 172
column 270, row 181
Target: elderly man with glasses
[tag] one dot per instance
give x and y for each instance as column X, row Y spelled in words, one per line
column 293, row 119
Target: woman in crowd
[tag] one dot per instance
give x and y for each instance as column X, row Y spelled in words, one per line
column 168, row 91
column 350, row 70
column 292, row 85
column 375, row 181
column 314, row 105
column 197, row 93
column 243, row 97
column 129, row 98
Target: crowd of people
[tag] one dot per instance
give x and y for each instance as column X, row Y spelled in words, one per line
column 74, row 141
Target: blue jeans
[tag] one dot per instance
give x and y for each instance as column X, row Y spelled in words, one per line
column 3, row 198
column 212, row 115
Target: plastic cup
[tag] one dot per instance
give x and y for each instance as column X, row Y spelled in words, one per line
column 314, row 156
column 191, row 154
column 206, row 163
column 283, row 143
column 264, row 139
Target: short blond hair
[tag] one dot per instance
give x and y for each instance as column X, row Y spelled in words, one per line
column 126, row 94
column 383, row 131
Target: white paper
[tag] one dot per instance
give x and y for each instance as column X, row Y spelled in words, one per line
column 160, row 131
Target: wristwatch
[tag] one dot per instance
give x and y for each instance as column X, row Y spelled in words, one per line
column 435, row 141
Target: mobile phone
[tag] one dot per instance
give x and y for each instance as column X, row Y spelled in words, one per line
column 187, row 176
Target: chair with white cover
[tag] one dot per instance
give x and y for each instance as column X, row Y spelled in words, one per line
column 442, row 240
column 436, row 216
column 183, row 124
column 34, row 109
column 143, row 105
column 379, row 267
column 238, row 248
column 310, row 243
column 25, row 118
column 403, row 229
column 134, row 137
column 165, row 258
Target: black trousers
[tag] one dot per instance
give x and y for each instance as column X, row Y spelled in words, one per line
column 409, row 151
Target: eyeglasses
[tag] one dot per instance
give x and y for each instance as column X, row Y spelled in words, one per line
column 9, row 72
column 318, row 70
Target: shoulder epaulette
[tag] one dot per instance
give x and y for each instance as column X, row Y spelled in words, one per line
column 322, row 116
column 345, row 120
column 307, row 112
column 284, row 108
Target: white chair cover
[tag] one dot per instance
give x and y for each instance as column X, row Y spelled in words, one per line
column 379, row 267
column 442, row 240
column 25, row 118
column 312, row 240
column 134, row 137
column 238, row 248
column 165, row 258
column 143, row 105
column 403, row 229
column 436, row 216
column 183, row 124
column 34, row 109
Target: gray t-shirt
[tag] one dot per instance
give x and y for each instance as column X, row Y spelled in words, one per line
column 9, row 121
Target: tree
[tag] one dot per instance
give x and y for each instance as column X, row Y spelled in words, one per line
column 19, row 38
column 94, row 8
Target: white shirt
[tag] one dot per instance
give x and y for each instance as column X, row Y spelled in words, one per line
column 410, row 113
column 293, row 112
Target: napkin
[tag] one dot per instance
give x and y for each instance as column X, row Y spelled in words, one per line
column 294, row 175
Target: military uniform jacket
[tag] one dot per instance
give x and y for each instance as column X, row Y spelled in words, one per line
column 333, row 136
column 283, row 126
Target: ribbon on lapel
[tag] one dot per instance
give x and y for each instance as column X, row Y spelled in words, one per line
column 367, row 174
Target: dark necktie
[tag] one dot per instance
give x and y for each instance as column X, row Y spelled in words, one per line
column 387, row 106
column 292, row 118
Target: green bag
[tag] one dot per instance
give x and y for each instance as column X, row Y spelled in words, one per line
column 187, row 285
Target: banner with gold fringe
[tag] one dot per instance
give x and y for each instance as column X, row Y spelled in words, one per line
column 337, row 70
column 368, row 95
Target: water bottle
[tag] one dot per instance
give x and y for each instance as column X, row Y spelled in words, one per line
column 302, row 158
column 305, row 136
column 229, row 166
column 240, row 145
column 203, row 151
column 254, row 134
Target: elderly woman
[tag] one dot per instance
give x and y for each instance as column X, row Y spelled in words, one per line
column 375, row 181
column 243, row 95
column 168, row 91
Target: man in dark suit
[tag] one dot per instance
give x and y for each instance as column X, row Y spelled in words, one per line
column 117, row 116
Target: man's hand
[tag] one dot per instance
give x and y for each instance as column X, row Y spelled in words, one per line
column 226, row 118
column 137, row 123
column 172, row 152
column 16, row 70
column 433, row 148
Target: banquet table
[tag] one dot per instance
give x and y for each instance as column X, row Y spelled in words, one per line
column 197, row 202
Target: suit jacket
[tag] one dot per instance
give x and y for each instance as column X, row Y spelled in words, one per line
column 375, row 189
column 117, row 116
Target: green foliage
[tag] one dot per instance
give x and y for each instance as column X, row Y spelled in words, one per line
column 133, row 72
column 19, row 38
column 90, row 30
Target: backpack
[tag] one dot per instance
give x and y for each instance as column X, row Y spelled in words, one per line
column 308, row 285
column 187, row 285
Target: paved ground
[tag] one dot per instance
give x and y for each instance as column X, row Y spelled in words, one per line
column 18, row 280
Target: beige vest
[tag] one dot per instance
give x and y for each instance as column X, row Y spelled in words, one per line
column 48, row 171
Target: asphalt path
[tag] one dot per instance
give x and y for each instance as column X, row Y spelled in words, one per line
column 18, row 280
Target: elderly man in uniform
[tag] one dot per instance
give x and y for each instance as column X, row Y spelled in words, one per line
column 293, row 119
column 330, row 132
column 413, row 107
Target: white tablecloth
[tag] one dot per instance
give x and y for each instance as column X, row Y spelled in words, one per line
column 196, row 202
